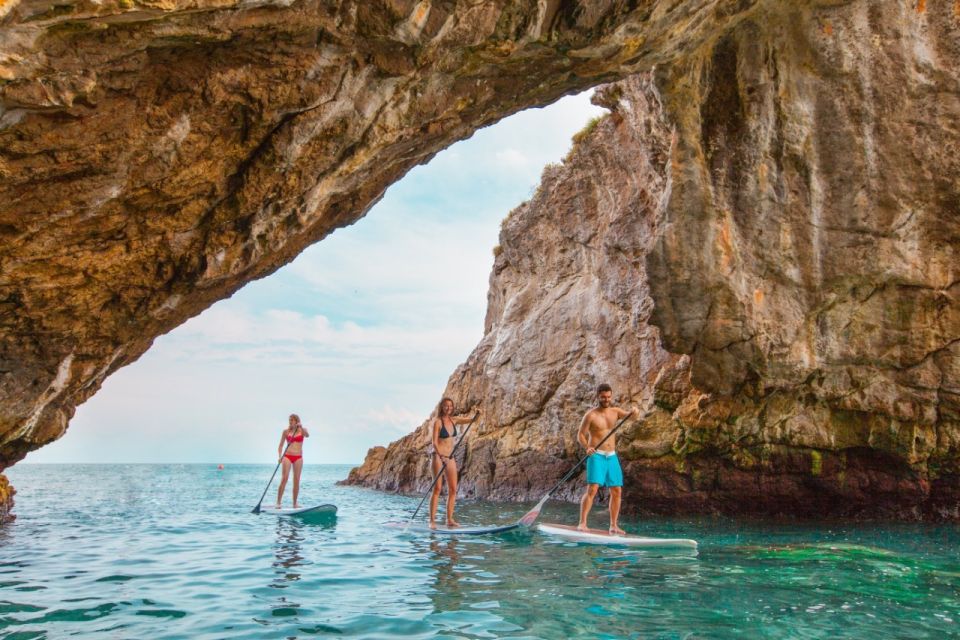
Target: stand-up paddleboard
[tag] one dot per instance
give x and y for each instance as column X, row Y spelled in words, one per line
column 598, row 536
column 319, row 510
column 453, row 531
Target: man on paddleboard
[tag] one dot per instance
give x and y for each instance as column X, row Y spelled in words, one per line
column 603, row 466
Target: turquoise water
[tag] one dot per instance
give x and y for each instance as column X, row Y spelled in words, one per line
column 171, row 551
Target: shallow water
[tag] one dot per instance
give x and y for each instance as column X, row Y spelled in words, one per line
column 172, row 551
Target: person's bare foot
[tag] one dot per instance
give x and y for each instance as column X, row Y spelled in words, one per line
column 296, row 506
column 278, row 506
column 433, row 525
column 453, row 523
column 616, row 531
column 582, row 527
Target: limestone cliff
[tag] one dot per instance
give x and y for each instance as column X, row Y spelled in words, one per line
column 579, row 278
column 807, row 258
column 786, row 299
column 568, row 307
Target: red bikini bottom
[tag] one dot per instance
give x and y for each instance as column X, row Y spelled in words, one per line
column 292, row 458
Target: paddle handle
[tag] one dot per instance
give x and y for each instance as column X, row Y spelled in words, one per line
column 444, row 465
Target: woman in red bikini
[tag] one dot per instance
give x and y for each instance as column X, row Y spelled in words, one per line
column 291, row 438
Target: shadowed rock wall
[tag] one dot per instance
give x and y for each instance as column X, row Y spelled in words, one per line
column 809, row 250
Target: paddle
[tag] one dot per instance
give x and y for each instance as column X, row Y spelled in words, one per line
column 256, row 509
column 444, row 465
column 532, row 515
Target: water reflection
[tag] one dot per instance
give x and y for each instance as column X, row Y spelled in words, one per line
column 447, row 593
column 288, row 552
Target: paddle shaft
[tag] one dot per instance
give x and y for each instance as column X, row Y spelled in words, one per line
column 444, row 464
column 256, row 509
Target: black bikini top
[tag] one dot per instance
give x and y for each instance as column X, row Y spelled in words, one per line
column 444, row 434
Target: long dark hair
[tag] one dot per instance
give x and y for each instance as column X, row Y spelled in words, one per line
column 440, row 407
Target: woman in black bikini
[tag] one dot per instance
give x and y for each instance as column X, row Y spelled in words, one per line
column 292, row 456
column 444, row 439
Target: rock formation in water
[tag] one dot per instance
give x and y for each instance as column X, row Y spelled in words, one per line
column 155, row 156
column 6, row 500
column 568, row 307
column 799, row 250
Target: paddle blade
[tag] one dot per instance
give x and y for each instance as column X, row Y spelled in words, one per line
column 256, row 509
column 530, row 516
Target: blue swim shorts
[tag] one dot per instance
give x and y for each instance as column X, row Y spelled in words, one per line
column 604, row 470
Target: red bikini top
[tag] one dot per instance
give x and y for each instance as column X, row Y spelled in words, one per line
column 296, row 438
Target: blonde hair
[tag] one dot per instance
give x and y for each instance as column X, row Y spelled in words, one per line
column 296, row 418
column 440, row 407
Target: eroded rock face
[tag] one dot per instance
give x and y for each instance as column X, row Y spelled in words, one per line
column 155, row 156
column 809, row 251
column 6, row 500
column 801, row 254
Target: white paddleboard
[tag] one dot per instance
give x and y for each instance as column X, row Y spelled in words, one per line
column 441, row 529
column 598, row 536
column 318, row 510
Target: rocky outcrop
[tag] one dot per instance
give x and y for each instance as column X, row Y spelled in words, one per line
column 784, row 302
column 811, row 236
column 6, row 500
column 810, row 290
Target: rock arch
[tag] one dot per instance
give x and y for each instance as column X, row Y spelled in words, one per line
column 157, row 155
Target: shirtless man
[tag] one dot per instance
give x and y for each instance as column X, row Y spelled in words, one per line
column 603, row 467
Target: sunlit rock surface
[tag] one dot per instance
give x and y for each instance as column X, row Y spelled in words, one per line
column 809, row 254
column 760, row 246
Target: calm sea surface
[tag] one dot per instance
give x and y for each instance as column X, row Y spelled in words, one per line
column 172, row 551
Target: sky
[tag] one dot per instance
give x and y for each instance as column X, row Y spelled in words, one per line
column 358, row 335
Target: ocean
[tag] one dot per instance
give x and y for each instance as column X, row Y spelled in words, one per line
column 172, row 551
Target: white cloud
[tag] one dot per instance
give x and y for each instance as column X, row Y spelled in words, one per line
column 280, row 335
column 513, row 158
column 403, row 420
